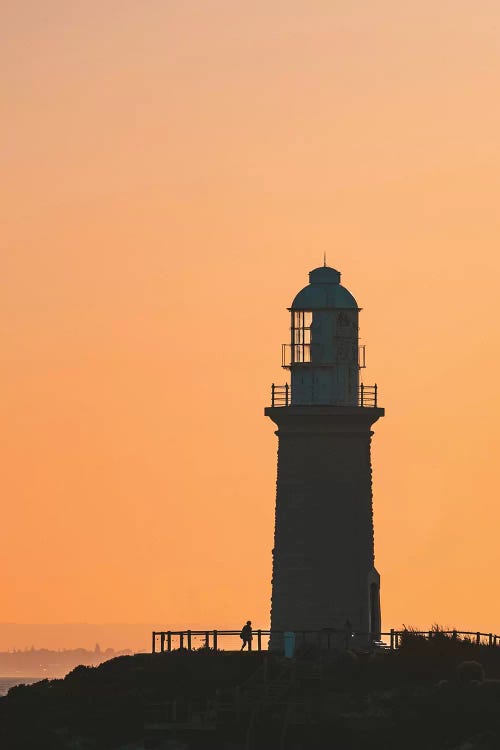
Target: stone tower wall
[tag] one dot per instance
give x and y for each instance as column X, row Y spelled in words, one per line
column 323, row 558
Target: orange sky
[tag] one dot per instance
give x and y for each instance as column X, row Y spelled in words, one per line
column 171, row 172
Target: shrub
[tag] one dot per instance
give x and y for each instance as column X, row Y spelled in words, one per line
column 470, row 671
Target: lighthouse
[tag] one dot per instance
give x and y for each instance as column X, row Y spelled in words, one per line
column 324, row 576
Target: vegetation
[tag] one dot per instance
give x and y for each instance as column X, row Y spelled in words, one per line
column 437, row 694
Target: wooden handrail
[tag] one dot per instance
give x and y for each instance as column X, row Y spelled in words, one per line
column 394, row 636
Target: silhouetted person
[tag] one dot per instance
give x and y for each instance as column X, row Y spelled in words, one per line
column 246, row 635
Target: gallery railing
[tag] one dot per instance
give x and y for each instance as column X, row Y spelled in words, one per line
column 327, row 638
column 281, row 395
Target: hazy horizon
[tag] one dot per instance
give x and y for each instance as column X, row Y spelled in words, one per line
column 135, row 636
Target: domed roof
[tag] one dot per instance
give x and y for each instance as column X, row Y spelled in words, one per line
column 324, row 291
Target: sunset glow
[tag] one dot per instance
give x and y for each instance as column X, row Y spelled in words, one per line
column 172, row 172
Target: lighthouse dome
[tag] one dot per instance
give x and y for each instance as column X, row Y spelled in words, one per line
column 324, row 292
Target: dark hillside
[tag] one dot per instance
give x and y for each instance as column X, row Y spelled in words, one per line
column 428, row 695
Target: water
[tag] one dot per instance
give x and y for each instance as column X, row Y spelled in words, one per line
column 7, row 682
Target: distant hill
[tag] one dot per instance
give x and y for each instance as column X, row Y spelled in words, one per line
column 427, row 695
column 46, row 663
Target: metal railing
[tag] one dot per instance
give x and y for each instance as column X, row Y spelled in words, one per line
column 328, row 638
column 281, row 395
column 186, row 639
column 302, row 351
column 471, row 636
column 368, row 395
column 296, row 354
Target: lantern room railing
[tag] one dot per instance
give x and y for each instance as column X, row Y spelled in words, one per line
column 281, row 395
column 301, row 353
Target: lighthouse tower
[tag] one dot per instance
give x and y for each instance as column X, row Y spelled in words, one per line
column 323, row 558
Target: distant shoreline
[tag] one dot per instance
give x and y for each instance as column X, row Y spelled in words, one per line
column 7, row 682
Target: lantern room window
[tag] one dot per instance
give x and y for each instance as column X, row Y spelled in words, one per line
column 301, row 336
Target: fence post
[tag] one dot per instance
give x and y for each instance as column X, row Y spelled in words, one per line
column 272, row 394
column 478, row 639
column 454, row 636
column 181, row 640
column 375, row 391
column 215, row 640
column 259, row 640
column 286, row 394
column 162, row 642
column 362, row 388
column 189, row 640
column 153, row 643
column 490, row 639
column 392, row 639
column 169, row 640
column 207, row 640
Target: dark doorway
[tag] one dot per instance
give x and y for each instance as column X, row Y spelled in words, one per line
column 375, row 611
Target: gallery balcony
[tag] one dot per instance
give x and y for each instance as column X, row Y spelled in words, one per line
column 281, row 395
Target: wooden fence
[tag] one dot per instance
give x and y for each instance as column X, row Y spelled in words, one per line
column 327, row 638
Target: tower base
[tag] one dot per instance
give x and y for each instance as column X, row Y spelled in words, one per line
column 324, row 577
